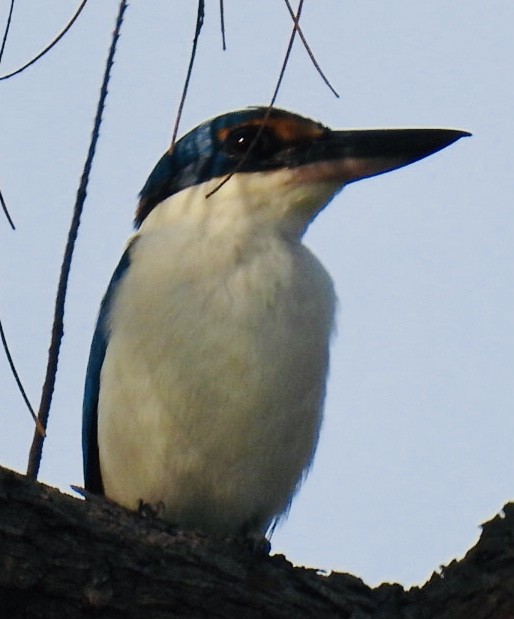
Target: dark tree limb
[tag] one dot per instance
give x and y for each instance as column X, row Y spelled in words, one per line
column 63, row 557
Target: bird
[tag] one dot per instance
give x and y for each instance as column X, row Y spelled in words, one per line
column 207, row 372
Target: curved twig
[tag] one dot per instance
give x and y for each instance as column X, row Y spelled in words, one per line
column 296, row 21
column 270, row 105
column 6, row 212
column 2, row 49
column 36, row 449
column 308, row 49
column 6, row 30
column 21, row 389
column 198, row 28
column 48, row 47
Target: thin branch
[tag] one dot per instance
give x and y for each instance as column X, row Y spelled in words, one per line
column 2, row 49
column 222, row 23
column 6, row 212
column 296, row 21
column 48, row 47
column 21, row 389
column 309, row 51
column 199, row 23
column 6, row 30
column 58, row 325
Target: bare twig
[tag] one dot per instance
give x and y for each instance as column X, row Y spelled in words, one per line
column 222, row 23
column 6, row 30
column 271, row 103
column 198, row 28
column 58, row 326
column 48, row 47
column 2, row 49
column 6, row 212
column 308, row 49
column 296, row 21
column 14, row 372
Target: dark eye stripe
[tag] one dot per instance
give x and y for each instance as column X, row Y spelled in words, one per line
column 255, row 140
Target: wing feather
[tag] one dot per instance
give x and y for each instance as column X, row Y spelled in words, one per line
column 91, row 460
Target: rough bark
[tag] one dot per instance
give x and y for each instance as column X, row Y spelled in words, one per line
column 64, row 557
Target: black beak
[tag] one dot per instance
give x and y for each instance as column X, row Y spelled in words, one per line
column 354, row 154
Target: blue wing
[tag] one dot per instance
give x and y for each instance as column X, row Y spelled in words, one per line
column 92, row 474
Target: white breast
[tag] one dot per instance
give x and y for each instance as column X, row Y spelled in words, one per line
column 214, row 377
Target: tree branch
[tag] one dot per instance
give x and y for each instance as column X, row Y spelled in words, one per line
column 71, row 558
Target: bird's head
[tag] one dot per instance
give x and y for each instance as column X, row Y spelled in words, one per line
column 285, row 168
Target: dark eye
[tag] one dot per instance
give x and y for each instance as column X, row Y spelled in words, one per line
column 255, row 140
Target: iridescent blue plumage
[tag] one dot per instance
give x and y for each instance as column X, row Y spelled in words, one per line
column 203, row 153
column 92, row 475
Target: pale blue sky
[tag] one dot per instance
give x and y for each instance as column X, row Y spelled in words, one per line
column 416, row 449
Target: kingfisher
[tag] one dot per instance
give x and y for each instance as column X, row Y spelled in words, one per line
column 208, row 366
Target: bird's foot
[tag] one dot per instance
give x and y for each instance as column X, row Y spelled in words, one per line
column 258, row 544
column 150, row 511
column 254, row 540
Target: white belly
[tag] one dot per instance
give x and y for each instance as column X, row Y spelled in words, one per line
column 214, row 378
